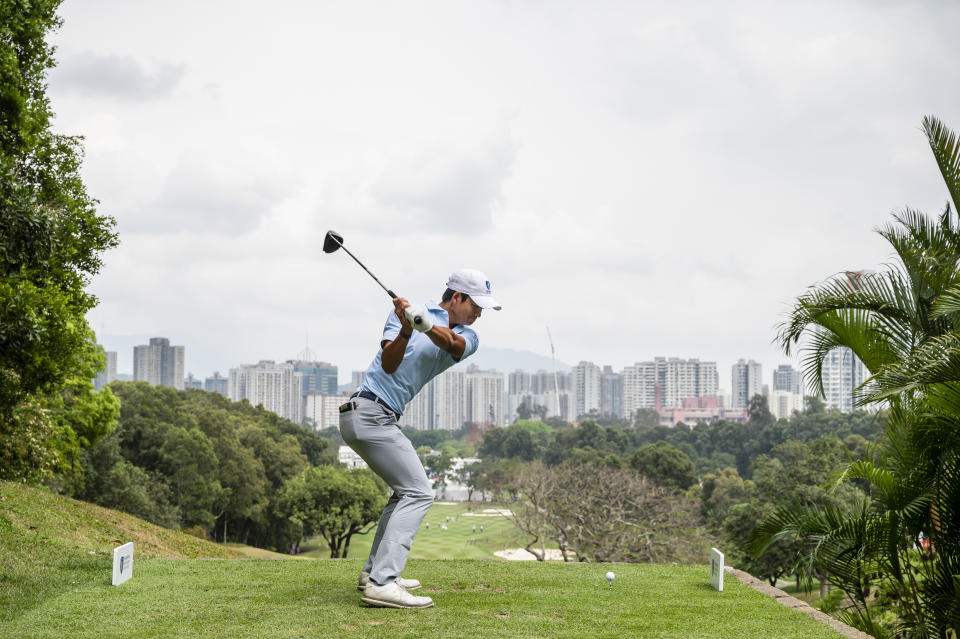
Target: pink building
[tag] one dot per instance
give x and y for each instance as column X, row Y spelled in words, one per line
column 700, row 409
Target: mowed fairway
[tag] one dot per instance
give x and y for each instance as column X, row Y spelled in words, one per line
column 262, row 598
column 458, row 541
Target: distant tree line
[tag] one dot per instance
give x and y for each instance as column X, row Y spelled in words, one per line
column 692, row 486
column 225, row 470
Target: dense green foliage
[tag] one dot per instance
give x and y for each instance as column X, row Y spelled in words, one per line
column 898, row 548
column 709, row 446
column 51, row 241
column 195, row 460
column 732, row 475
column 334, row 503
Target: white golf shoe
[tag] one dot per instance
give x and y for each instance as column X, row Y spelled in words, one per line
column 392, row 596
column 406, row 584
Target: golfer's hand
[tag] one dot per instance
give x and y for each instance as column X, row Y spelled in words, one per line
column 399, row 307
column 415, row 312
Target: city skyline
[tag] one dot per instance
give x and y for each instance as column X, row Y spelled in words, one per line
column 124, row 363
column 642, row 177
column 306, row 390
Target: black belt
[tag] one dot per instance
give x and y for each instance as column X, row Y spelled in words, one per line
column 372, row 398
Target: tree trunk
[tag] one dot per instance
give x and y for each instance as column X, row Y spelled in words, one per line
column 824, row 584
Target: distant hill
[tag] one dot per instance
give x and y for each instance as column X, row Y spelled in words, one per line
column 37, row 514
column 508, row 360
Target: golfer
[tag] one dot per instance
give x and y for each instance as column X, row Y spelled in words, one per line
column 411, row 354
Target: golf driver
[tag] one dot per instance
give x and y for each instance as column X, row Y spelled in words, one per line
column 334, row 241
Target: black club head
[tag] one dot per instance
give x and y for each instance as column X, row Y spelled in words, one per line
column 332, row 242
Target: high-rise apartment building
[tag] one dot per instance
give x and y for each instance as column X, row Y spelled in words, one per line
column 109, row 373
column 639, row 387
column 611, row 392
column 746, row 382
column 484, row 397
column 449, row 394
column 665, row 382
column 783, row 403
column 441, row 404
column 274, row 386
column 321, row 411
column 586, row 394
column 552, row 391
column 317, row 377
column 842, row 372
column 216, row 383
column 192, row 382
column 551, row 404
column 158, row 363
column 356, row 378
column 787, row 378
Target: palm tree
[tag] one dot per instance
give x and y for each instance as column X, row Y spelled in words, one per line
column 904, row 325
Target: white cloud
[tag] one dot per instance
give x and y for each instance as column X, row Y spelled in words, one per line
column 120, row 77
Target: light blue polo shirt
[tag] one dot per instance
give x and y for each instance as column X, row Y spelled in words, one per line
column 422, row 361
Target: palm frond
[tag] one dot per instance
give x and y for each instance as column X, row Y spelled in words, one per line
column 946, row 150
column 934, row 362
column 948, row 304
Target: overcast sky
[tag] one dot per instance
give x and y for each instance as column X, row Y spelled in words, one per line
column 648, row 178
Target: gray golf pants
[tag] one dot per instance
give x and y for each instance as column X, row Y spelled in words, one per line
column 372, row 431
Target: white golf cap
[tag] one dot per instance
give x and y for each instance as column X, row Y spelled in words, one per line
column 475, row 284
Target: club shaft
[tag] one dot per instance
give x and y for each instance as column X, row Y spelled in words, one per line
column 389, row 292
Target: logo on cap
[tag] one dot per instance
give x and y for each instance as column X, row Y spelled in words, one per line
column 488, row 285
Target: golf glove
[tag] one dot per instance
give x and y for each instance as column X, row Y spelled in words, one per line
column 413, row 312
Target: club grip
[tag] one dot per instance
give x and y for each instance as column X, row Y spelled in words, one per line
column 391, row 294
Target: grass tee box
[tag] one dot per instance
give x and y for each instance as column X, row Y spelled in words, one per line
column 189, row 598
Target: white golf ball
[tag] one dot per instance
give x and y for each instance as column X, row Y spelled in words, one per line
column 610, row 576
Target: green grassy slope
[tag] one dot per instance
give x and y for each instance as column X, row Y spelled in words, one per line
column 49, row 543
column 55, row 560
column 238, row 599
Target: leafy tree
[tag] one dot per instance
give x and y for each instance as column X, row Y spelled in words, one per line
column 665, row 465
column 438, row 465
column 511, row 442
column 722, row 490
column 495, row 478
column 775, row 561
column 51, row 241
column 190, row 463
column 592, row 457
column 758, row 412
column 334, row 503
column 646, row 417
column 429, row 438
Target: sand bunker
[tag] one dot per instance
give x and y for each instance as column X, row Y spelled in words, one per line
column 490, row 512
column 521, row 554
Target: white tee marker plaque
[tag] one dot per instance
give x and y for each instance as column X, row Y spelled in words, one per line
column 122, row 563
column 716, row 569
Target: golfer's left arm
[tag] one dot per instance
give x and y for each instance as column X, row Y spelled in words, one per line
column 394, row 350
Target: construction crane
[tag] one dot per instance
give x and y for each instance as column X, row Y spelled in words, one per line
column 556, row 382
